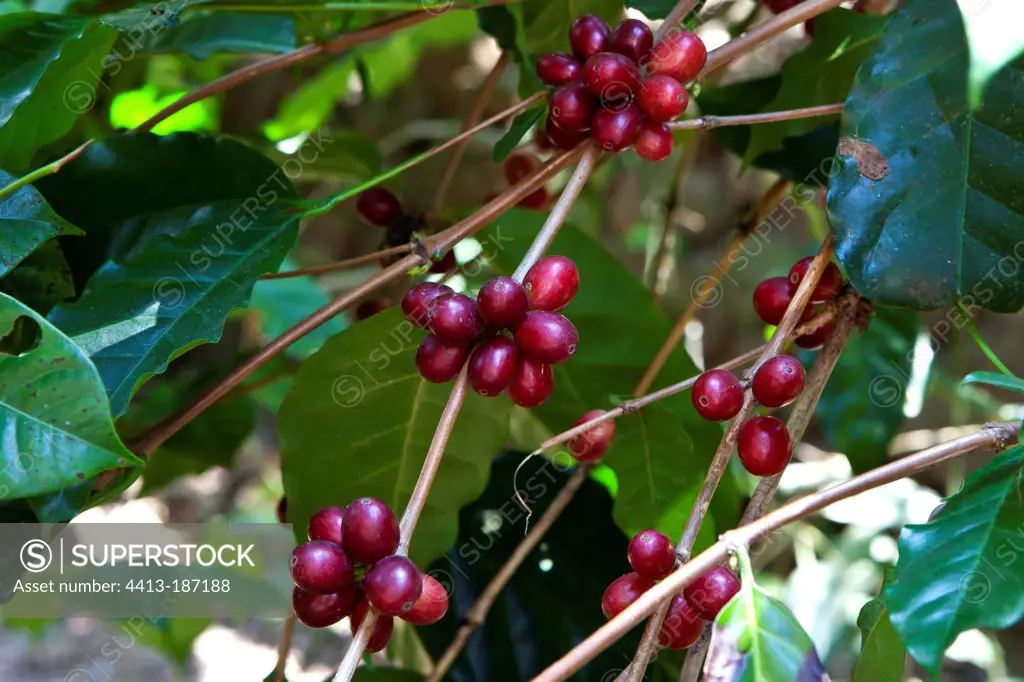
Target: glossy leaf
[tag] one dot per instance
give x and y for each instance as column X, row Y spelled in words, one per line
column 820, row 74
column 42, row 280
column 960, row 571
column 653, row 9
column 181, row 255
column 553, row 599
column 54, row 413
column 49, row 67
column 1014, row 384
column 359, row 420
column 861, row 409
column 26, row 223
column 520, row 126
column 925, row 205
column 546, row 23
column 659, row 454
column 203, row 36
column 882, row 654
column 993, row 39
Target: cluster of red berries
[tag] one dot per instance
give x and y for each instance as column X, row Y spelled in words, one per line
column 652, row 556
column 618, row 87
column 462, row 329
column 763, row 443
column 349, row 565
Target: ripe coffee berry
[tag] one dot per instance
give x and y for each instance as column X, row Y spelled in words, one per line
column 532, row 383
column 662, row 98
column 829, row 285
column 322, row 610
column 551, row 283
column 772, row 297
column 709, row 593
column 431, row 606
column 416, row 302
column 651, row 554
column 503, row 302
column 717, row 395
column 653, row 142
column 611, row 76
column 438, row 361
column 538, row 200
column 492, row 366
column 325, row 525
column 381, row 630
column 622, row 592
column 393, row 585
column 320, row 567
column 370, row 530
column 557, row 68
column 547, row 337
column 571, row 106
column 562, row 138
column 519, row 166
column 817, row 338
column 590, row 445
column 615, row 129
column 454, row 318
column 588, row 35
column 446, row 264
column 778, row 381
column 680, row 54
column 682, row 626
column 379, row 207
column 632, row 38
column 764, row 446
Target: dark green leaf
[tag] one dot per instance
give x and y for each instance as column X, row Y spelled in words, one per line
column 26, row 223
column 202, row 36
column 546, row 22
column 861, row 409
column 359, row 420
column 960, row 571
column 882, row 654
column 54, row 412
column 659, row 454
column 49, row 67
column 520, row 126
column 995, row 379
column 820, row 74
column 553, row 599
column 338, row 155
column 926, row 204
column 653, row 9
column 993, row 39
column 386, row 675
column 182, row 256
column 42, row 280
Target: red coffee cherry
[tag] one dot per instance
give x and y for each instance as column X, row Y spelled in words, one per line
column 622, row 592
column 370, row 530
column 591, row 445
column 709, row 593
column 381, row 629
column 651, row 554
column 778, row 381
column 829, row 286
column 547, row 337
column 615, row 130
column 431, row 606
column 378, row 206
column 416, row 302
column 817, row 338
column 561, row 138
column 520, row 166
column 325, row 525
column 633, row 39
column 772, row 298
column 571, row 106
column 538, row 200
column 320, row 567
column 557, row 68
column 680, row 54
column 532, row 383
column 764, row 446
column 492, row 366
column 682, row 626
column 323, row 610
column 588, row 35
column 503, row 302
column 653, row 142
column 662, row 98
column 717, row 395
column 439, row 362
column 393, row 585
column 611, row 76
column 454, row 319
column 552, row 283
column 445, row 265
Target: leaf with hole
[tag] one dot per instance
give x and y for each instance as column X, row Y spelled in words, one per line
column 182, row 254
column 959, row 571
column 359, row 420
column 925, row 204
column 53, row 412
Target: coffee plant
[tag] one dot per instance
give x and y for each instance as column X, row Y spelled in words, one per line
column 500, row 456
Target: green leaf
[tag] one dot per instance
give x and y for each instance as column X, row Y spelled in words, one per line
column 546, row 23
column 653, row 9
column 660, row 453
column 181, row 255
column 42, row 280
column 552, row 599
column 26, row 223
column 925, row 205
column 959, row 570
column 344, row 155
column 204, row 35
column 995, row 379
column 366, row 674
column 520, row 126
column 756, row 639
column 861, row 409
column 820, row 74
column 54, row 413
column 993, row 39
column 359, row 420
column 49, row 68
column 171, row 636
column 882, row 654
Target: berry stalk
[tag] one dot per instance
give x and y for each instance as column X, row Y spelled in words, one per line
column 710, row 122
column 354, row 262
column 996, row 436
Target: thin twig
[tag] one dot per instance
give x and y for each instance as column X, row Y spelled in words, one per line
column 280, row 62
column 42, row 172
column 340, row 265
column 992, row 436
column 675, row 15
column 284, row 646
column 663, row 259
column 709, row 122
column 482, row 98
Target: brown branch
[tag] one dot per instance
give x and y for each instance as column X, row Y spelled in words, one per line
column 43, row 171
column 994, row 436
column 340, row 265
column 709, row 122
column 764, row 32
column 284, row 646
column 482, row 98
column 280, row 62
column 662, row 261
column 675, row 15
